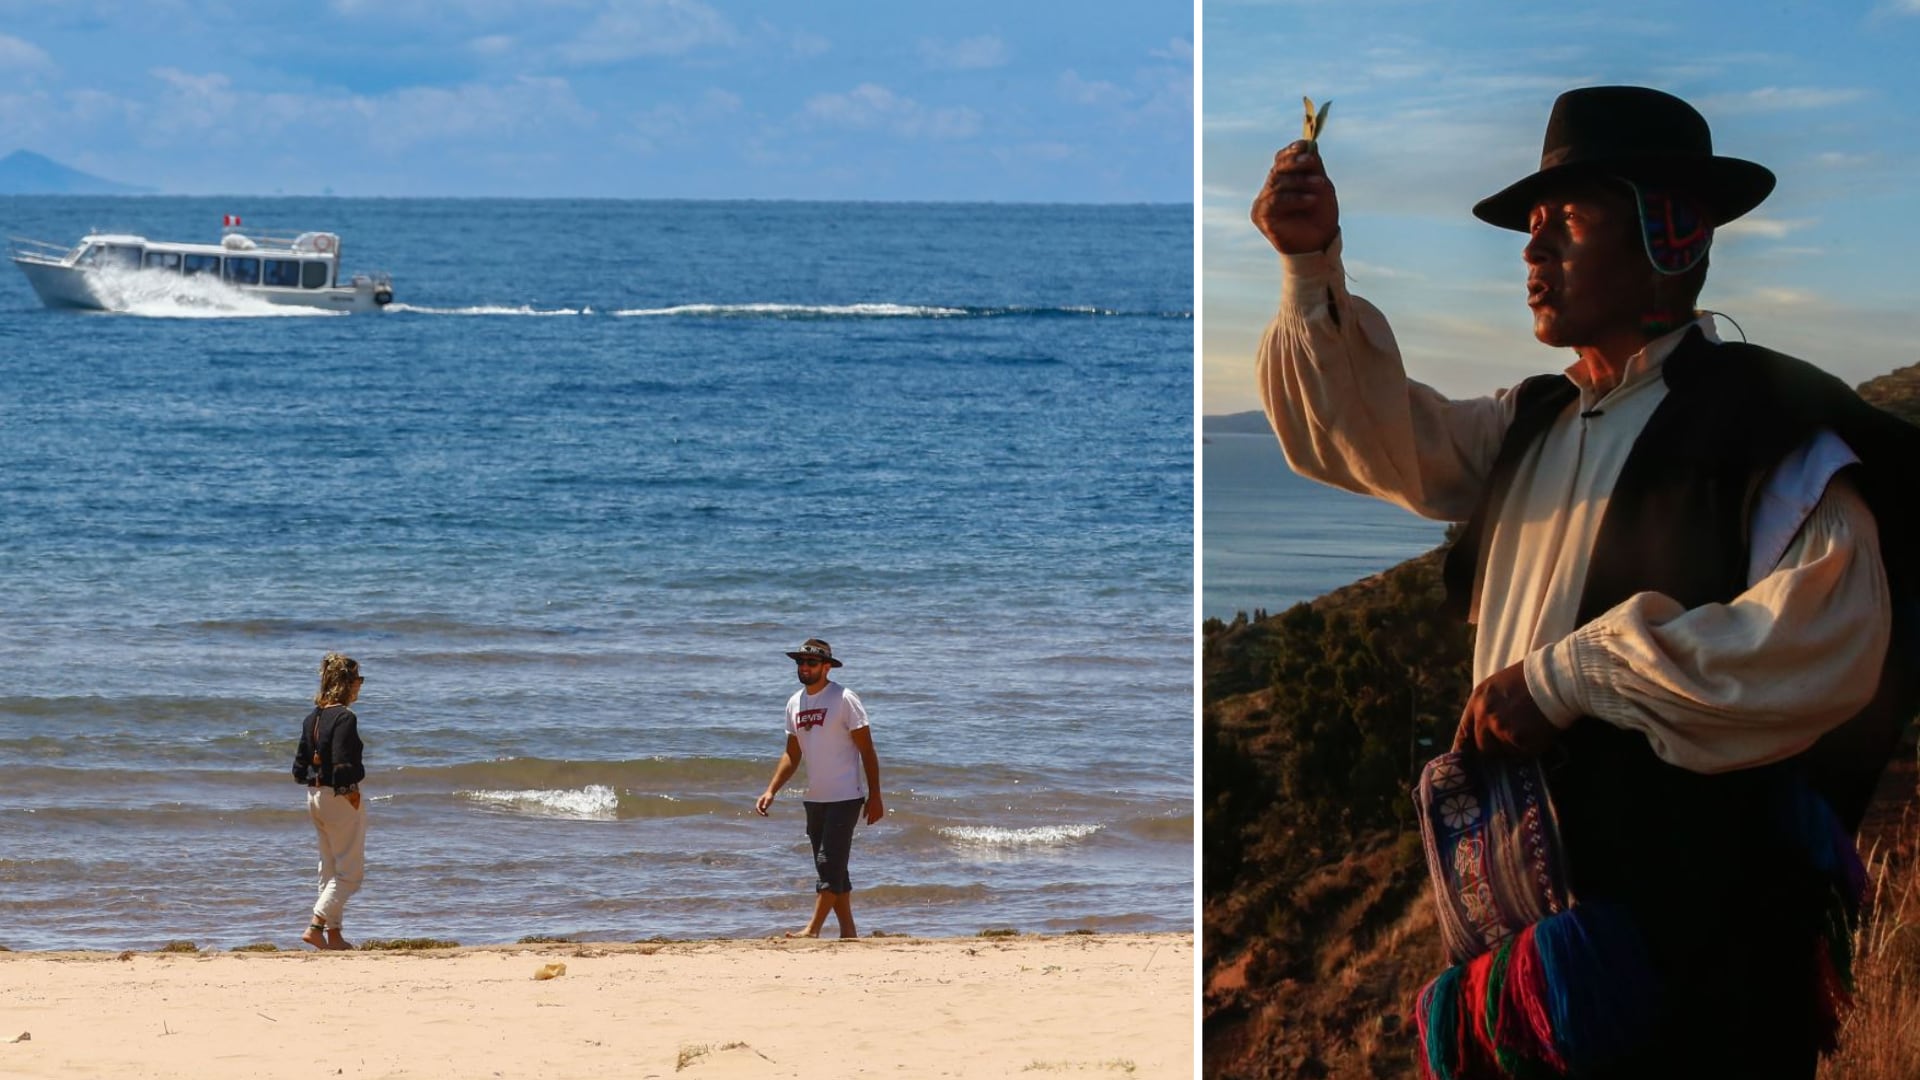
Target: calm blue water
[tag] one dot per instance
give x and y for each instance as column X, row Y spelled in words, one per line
column 1270, row 539
column 569, row 502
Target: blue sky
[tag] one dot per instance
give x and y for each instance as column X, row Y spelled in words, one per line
column 1437, row 105
column 1080, row 101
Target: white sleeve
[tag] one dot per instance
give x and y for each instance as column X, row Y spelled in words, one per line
column 853, row 712
column 1726, row 686
column 1338, row 397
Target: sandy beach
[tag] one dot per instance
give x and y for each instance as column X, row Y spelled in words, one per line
column 1066, row 1006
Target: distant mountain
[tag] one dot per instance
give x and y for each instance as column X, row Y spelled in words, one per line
column 24, row 172
column 1240, row 423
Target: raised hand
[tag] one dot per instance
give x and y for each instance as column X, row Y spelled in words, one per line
column 1297, row 210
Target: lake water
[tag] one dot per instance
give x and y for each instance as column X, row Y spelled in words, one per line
column 1271, row 539
column 569, row 502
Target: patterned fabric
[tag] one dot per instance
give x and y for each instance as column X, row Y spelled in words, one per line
column 1676, row 232
column 1493, row 849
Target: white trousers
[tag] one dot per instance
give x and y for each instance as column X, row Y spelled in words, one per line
column 343, row 849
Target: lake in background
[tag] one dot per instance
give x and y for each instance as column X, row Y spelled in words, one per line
column 1271, row 538
column 569, row 502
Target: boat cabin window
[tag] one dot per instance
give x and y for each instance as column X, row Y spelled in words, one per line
column 242, row 271
column 200, row 264
column 114, row 255
column 164, row 260
column 313, row 275
column 284, row 273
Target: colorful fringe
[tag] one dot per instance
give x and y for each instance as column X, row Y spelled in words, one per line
column 1812, row 826
column 1564, row 995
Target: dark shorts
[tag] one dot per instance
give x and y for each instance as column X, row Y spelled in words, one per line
column 830, row 830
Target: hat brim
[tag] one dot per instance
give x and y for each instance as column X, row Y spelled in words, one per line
column 1729, row 186
column 831, row 662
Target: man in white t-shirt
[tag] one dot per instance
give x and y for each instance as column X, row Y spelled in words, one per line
column 827, row 728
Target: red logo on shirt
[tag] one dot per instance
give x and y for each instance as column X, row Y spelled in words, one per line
column 809, row 718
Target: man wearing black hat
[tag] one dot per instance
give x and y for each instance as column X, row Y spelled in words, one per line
column 827, row 728
column 1672, row 551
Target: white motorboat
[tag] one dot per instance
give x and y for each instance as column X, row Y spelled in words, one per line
column 104, row 269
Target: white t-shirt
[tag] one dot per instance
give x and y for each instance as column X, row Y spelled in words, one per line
column 824, row 723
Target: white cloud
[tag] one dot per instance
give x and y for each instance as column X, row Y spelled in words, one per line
column 24, row 58
column 806, row 43
column 1775, row 296
column 671, row 120
column 201, row 86
column 428, row 114
column 1836, row 159
column 1083, row 91
column 968, row 54
column 439, row 10
column 1159, row 95
column 207, row 108
column 491, row 45
column 635, row 28
column 1362, row 269
column 1763, row 227
column 870, row 106
column 1779, row 99
column 1051, row 152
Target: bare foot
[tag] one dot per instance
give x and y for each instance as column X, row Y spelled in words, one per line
column 803, row 933
column 336, row 942
column 313, row 938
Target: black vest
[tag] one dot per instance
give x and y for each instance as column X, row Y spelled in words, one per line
column 1677, row 519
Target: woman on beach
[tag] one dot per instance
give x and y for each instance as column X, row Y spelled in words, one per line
column 328, row 762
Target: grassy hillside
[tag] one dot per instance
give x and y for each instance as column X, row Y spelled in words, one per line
column 1317, row 923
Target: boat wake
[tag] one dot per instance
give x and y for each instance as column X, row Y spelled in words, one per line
column 802, row 311
column 490, row 309
column 882, row 311
column 798, row 311
column 155, row 294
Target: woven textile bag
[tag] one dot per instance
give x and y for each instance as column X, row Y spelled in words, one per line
column 1493, row 848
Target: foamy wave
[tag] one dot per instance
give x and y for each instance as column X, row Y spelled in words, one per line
column 156, row 294
column 864, row 311
column 992, row 836
column 595, row 802
column 490, row 309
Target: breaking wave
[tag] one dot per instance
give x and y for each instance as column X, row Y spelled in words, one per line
column 596, row 802
column 1037, row 836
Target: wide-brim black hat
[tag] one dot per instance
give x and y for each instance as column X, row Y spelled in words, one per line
column 1637, row 134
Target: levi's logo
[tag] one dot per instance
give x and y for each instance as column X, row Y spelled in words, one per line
column 809, row 718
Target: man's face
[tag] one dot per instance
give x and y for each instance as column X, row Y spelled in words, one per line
column 811, row 672
column 1588, row 278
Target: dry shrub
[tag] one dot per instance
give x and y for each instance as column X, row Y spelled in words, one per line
column 1881, row 1037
